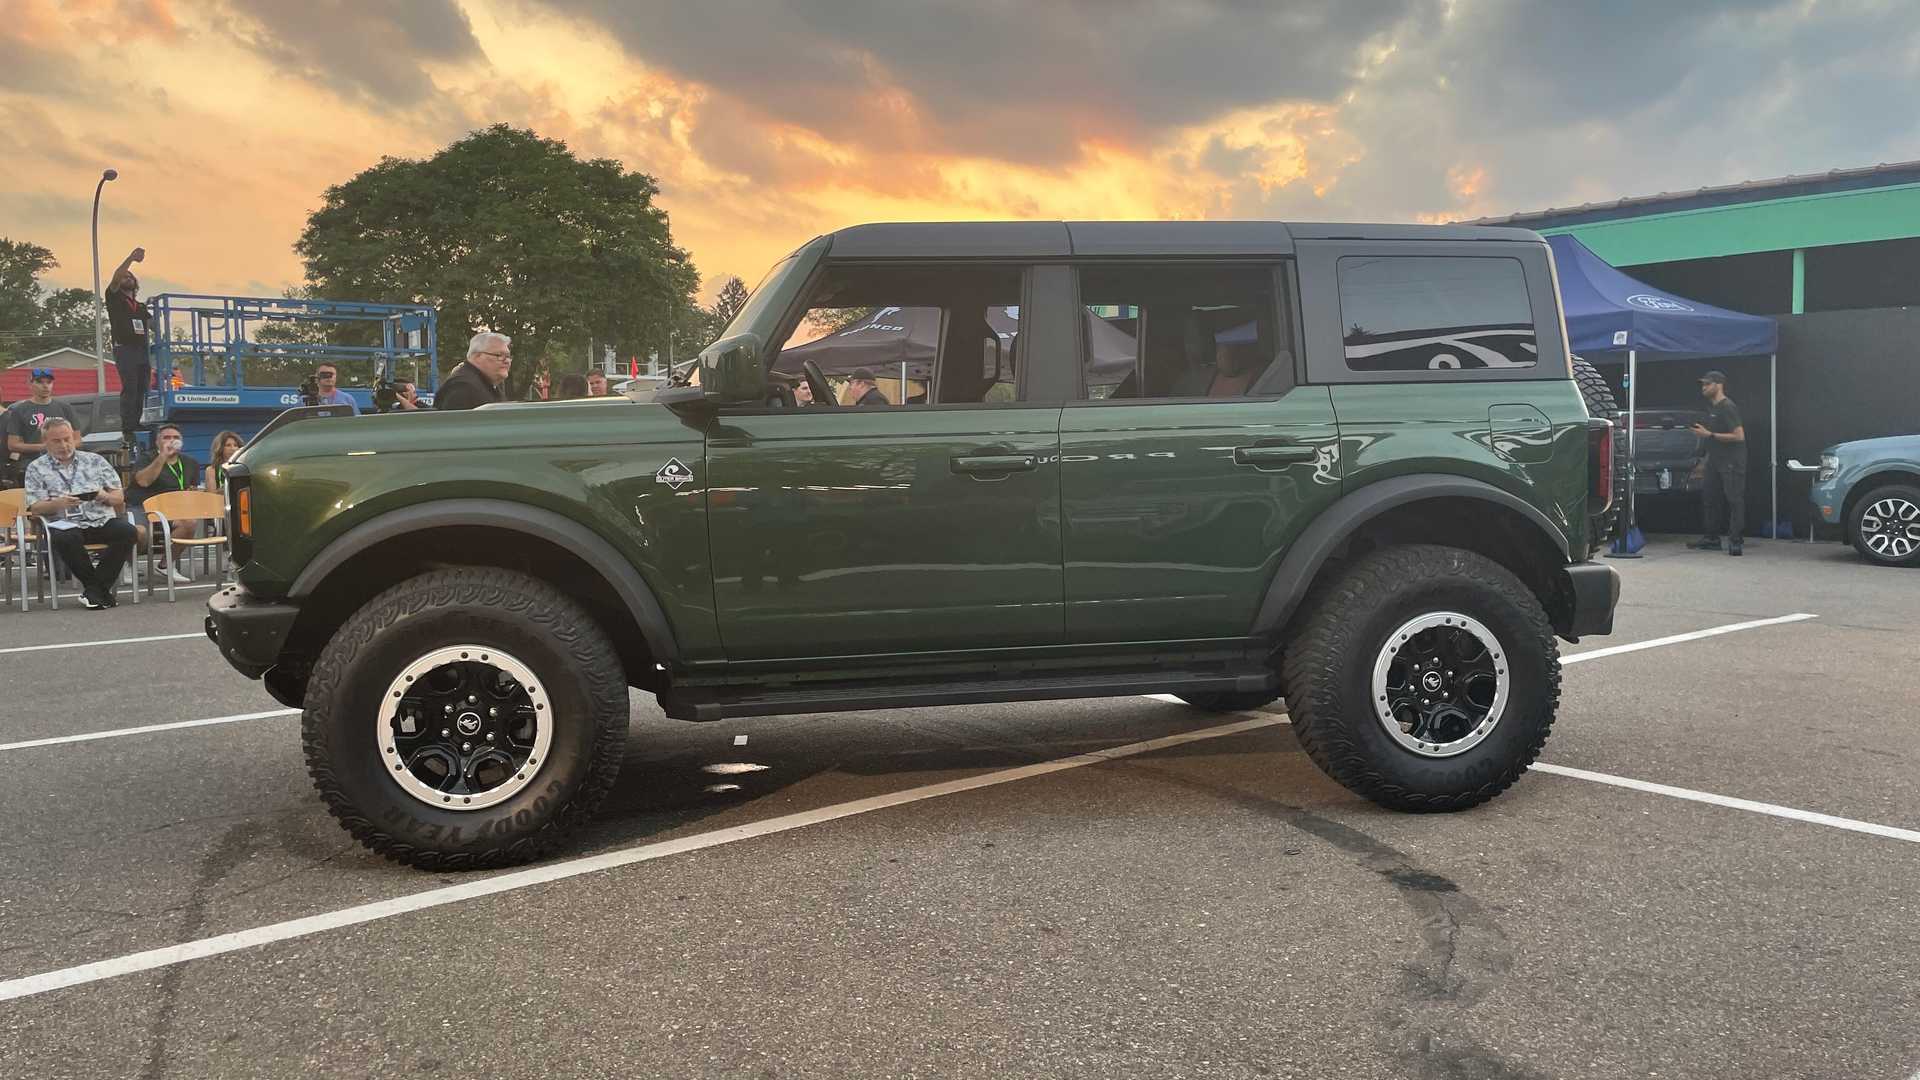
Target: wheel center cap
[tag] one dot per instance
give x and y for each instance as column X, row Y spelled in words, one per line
column 1430, row 682
column 468, row 723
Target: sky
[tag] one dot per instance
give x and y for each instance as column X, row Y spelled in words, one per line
column 766, row 124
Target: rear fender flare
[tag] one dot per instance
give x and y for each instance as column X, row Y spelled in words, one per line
column 1332, row 528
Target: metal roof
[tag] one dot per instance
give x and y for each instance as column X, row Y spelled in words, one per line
column 1749, row 191
column 1061, row 239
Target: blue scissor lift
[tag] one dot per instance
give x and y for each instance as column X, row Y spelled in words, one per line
column 229, row 379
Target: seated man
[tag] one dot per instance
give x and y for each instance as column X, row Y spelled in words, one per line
column 166, row 470
column 79, row 495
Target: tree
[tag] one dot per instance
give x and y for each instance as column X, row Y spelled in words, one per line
column 733, row 297
column 504, row 230
column 33, row 321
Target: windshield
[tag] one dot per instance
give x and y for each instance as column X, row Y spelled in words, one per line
column 779, row 285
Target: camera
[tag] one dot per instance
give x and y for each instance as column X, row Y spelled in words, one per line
column 310, row 391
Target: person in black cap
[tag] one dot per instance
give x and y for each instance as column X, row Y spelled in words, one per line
column 27, row 420
column 861, row 389
column 1724, row 493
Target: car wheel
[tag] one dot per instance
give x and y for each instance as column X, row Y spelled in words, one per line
column 465, row 719
column 1228, row 702
column 1425, row 678
column 1885, row 525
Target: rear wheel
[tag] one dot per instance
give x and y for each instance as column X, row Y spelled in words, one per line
column 1424, row 678
column 1885, row 525
column 465, row 719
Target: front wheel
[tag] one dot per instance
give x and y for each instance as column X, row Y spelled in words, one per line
column 1885, row 525
column 1424, row 678
column 465, row 719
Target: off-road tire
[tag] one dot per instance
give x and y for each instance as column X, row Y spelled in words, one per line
column 1601, row 404
column 1906, row 492
column 1329, row 670
column 1230, row 702
column 550, row 634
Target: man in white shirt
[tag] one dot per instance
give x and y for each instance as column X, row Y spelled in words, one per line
column 80, row 496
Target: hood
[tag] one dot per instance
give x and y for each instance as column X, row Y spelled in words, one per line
column 506, row 426
column 1890, row 446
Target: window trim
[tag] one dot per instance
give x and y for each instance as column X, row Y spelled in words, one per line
column 1283, row 309
column 802, row 303
column 1324, row 323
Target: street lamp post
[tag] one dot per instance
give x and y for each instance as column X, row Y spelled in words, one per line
column 99, row 353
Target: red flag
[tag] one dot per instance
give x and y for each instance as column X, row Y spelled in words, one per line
column 633, row 367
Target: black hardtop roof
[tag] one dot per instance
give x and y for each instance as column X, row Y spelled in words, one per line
column 1062, row 239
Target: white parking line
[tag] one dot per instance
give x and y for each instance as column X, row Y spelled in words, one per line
column 1770, row 809
column 1675, row 639
column 559, row 871
column 90, row 644
column 117, row 732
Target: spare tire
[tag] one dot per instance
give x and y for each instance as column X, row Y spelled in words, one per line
column 1600, row 401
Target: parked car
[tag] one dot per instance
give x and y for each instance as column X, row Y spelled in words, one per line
column 1352, row 465
column 1871, row 487
column 1666, row 450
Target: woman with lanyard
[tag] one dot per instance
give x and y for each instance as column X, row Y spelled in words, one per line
column 167, row 470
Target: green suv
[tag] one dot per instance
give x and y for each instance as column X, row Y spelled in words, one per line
column 1228, row 461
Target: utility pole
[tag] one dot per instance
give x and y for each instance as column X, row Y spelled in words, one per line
column 99, row 353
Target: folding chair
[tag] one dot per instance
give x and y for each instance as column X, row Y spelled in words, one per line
column 50, row 580
column 13, row 522
column 171, row 506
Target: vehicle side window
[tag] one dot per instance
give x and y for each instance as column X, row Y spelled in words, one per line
column 1166, row 331
column 1435, row 313
column 897, row 336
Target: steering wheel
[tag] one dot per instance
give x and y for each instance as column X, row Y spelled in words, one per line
column 823, row 395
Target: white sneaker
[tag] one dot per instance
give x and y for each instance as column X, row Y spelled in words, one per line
column 178, row 577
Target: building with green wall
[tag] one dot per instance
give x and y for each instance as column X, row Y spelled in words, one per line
column 1842, row 240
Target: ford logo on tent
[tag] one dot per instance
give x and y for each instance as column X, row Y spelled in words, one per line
column 1656, row 303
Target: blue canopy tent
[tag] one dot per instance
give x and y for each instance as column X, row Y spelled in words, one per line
column 1609, row 312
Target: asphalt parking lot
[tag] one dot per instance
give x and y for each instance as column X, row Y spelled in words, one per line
column 1019, row 890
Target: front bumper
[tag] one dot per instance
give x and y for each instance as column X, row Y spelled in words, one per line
column 1830, row 499
column 248, row 630
column 1592, row 590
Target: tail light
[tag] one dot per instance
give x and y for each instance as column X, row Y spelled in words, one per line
column 1600, row 465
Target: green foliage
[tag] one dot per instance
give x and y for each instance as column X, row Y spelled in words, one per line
column 504, row 230
column 33, row 320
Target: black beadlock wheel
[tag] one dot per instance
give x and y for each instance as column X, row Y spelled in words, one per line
column 1424, row 678
column 465, row 719
column 1601, row 404
column 1884, row 525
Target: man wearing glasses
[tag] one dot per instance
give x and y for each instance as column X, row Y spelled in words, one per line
column 482, row 380
column 327, row 377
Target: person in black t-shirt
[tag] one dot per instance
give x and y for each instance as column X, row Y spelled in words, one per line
column 166, row 470
column 131, row 323
column 27, row 420
column 1724, row 494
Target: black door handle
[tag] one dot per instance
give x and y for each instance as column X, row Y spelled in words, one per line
column 1269, row 455
column 994, row 464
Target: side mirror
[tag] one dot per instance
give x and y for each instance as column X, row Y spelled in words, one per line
column 729, row 371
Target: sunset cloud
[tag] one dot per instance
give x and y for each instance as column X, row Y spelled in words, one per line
column 766, row 124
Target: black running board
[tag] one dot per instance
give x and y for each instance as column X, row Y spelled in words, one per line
column 685, row 705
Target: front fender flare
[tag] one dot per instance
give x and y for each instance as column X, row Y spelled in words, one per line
column 1321, row 539
column 590, row 547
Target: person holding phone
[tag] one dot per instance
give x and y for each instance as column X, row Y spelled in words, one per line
column 167, row 470
column 79, row 496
